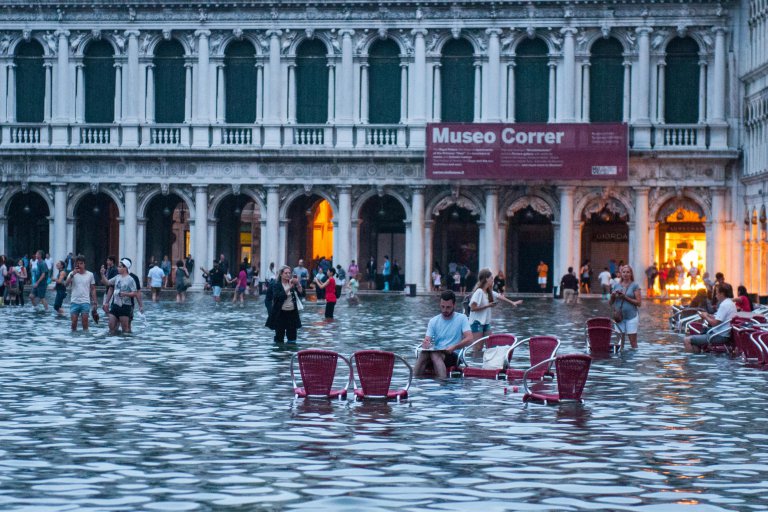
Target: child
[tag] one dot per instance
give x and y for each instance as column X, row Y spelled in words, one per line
column 353, row 286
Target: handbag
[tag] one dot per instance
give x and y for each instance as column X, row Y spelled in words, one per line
column 618, row 315
column 299, row 304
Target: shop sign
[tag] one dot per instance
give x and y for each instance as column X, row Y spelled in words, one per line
column 610, row 237
column 685, row 227
column 595, row 151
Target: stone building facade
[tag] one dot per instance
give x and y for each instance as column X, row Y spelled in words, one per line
column 277, row 132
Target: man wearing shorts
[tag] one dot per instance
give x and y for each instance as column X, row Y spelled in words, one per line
column 83, row 294
column 39, row 281
column 726, row 310
column 446, row 333
column 542, row 271
column 156, row 276
column 122, row 288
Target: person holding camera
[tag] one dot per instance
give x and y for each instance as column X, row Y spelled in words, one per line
column 625, row 301
column 284, row 312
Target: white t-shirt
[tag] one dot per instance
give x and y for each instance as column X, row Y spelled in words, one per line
column 81, row 287
column 156, row 276
column 3, row 272
column 604, row 278
column 122, row 284
column 726, row 310
column 480, row 297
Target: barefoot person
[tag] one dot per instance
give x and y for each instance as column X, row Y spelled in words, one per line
column 625, row 300
column 483, row 300
column 121, row 289
column 726, row 310
column 83, row 294
column 446, row 333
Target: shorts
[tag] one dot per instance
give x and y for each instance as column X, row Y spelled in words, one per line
column 241, row 291
column 481, row 328
column 217, row 291
column 702, row 340
column 79, row 309
column 39, row 291
column 451, row 359
column 629, row 326
column 120, row 311
column 542, row 280
column 155, row 289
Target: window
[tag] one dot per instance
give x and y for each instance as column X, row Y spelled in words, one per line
column 30, row 83
column 312, row 83
column 384, row 83
column 681, row 82
column 99, row 82
column 170, row 82
column 240, row 82
column 531, row 82
column 606, row 81
column 457, row 82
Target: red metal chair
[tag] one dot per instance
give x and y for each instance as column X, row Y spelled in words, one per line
column 742, row 342
column 318, row 369
column 603, row 340
column 374, row 369
column 492, row 341
column 571, row 373
column 540, row 348
column 760, row 351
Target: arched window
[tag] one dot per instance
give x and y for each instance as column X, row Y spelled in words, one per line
column 170, row 82
column 240, row 82
column 681, row 82
column 606, row 81
column 457, row 82
column 531, row 82
column 312, row 83
column 30, row 83
column 384, row 83
column 99, row 82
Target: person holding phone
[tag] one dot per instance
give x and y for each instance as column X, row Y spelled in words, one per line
column 284, row 316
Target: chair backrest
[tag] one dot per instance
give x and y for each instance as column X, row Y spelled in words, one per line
column 542, row 348
column 761, row 319
column 374, row 369
column 760, row 341
column 600, row 338
column 599, row 321
column 572, row 371
column 500, row 340
column 318, row 368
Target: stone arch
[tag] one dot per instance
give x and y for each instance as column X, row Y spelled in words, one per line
column 84, row 191
column 141, row 207
column 447, row 36
column 286, row 203
column 551, row 48
column 79, row 52
column 541, row 203
column 38, row 37
column 660, row 209
column 463, row 199
column 40, row 190
column 230, row 38
column 594, row 37
column 323, row 37
column 370, row 193
column 593, row 202
column 659, row 45
column 218, row 197
column 365, row 43
column 155, row 41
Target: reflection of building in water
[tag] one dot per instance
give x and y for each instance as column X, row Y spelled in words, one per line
column 291, row 136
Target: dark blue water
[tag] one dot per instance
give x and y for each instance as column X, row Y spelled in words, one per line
column 195, row 411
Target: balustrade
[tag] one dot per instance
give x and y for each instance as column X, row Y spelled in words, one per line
column 680, row 136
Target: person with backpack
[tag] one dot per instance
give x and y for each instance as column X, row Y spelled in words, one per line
column 482, row 300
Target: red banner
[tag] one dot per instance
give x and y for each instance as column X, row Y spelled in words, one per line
column 597, row 151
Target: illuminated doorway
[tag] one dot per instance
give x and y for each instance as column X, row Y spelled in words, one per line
column 682, row 244
column 310, row 230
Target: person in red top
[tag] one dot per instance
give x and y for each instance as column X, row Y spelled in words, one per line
column 742, row 301
column 242, row 285
column 330, row 291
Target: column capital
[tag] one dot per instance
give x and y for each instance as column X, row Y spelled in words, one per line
column 644, row 31
column 491, row 189
column 59, row 185
column 346, row 189
column 569, row 31
column 272, row 188
column 274, row 33
column 80, row 65
column 117, row 65
column 419, row 32
column 202, row 33
column 566, row 189
column 150, row 65
column 346, row 32
column 720, row 30
column 200, row 188
column 61, row 33
column 130, row 187
column 493, row 32
column 132, row 33
column 642, row 190
column 418, row 189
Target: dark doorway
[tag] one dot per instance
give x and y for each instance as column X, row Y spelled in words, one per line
column 382, row 233
column 167, row 232
column 28, row 226
column 97, row 229
column 605, row 236
column 238, row 230
column 456, row 239
column 531, row 239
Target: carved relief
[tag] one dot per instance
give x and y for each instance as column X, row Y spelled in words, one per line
column 536, row 203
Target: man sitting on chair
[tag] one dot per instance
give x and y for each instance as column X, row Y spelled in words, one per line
column 446, row 333
column 726, row 310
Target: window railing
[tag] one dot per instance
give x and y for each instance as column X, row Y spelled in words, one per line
column 166, row 135
column 96, row 135
column 26, row 134
column 308, row 135
column 233, row 135
column 381, row 136
column 680, row 136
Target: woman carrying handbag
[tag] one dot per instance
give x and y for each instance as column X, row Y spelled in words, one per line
column 284, row 314
column 625, row 301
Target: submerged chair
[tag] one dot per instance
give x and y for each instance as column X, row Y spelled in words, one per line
column 374, row 369
column 722, row 330
column 603, row 340
column 318, row 369
column 487, row 370
column 540, row 348
column 759, row 348
column 571, row 373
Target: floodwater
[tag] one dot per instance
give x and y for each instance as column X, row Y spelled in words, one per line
column 195, row 411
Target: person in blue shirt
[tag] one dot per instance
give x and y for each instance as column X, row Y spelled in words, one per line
column 446, row 333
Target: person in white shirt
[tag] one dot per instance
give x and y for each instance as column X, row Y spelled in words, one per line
column 480, row 304
column 156, row 276
column 83, row 295
column 726, row 310
column 605, row 282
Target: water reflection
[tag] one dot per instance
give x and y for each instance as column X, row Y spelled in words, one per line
column 196, row 411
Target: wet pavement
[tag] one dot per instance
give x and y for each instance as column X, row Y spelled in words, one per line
column 195, row 411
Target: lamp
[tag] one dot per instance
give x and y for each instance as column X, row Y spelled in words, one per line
column 680, row 215
column 27, row 210
column 96, row 210
column 528, row 215
column 455, row 214
column 237, row 211
column 605, row 216
column 166, row 212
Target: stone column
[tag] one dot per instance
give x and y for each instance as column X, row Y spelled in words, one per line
column 201, row 250
column 346, row 89
column 565, row 242
column 642, row 79
column 344, row 226
column 273, row 224
column 568, row 79
column 716, row 257
column 118, row 92
column 12, row 90
column 272, row 91
column 585, row 91
column 414, row 252
column 419, row 87
column 3, row 90
column 331, row 93
column 437, row 92
column 59, row 249
column 428, row 234
column 263, row 254
column 79, row 93
column 493, row 113
column 131, row 232
column 640, row 261
column 403, row 92
column 661, row 93
column 150, row 93
column 188, row 92
column 132, row 81
column 291, row 114
column 626, row 97
column 282, row 245
column 478, row 91
column 702, row 118
column 551, row 117
column 364, row 100
column 201, row 114
column 491, row 229
column 61, row 116
column 511, row 93
column 221, row 92
column 719, row 79
column 259, row 93
column 3, row 233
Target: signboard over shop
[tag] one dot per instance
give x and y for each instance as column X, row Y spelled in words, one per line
column 594, row 151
